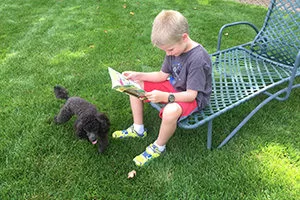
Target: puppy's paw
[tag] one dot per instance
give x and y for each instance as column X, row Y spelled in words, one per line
column 103, row 143
column 102, row 148
column 55, row 120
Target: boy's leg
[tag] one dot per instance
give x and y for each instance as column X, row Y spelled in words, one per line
column 169, row 123
column 137, row 108
column 171, row 114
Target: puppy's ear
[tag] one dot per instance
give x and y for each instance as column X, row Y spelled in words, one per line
column 104, row 121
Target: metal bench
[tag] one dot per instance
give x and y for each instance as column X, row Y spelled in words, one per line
column 245, row 71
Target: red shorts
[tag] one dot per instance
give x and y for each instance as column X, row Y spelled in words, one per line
column 165, row 86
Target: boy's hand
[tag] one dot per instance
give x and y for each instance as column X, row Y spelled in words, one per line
column 131, row 75
column 157, row 96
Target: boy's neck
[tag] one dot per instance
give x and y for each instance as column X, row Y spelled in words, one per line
column 190, row 45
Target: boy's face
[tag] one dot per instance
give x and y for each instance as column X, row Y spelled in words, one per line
column 175, row 49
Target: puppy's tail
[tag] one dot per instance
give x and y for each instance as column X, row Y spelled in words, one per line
column 60, row 92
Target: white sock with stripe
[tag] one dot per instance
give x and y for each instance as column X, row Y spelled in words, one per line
column 160, row 148
column 139, row 128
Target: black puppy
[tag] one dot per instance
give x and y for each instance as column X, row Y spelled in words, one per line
column 90, row 124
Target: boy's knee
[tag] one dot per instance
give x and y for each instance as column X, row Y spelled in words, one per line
column 172, row 111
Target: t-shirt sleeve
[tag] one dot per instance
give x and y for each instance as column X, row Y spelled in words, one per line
column 166, row 65
column 197, row 75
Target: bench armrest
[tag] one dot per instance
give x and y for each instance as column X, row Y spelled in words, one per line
column 234, row 24
column 297, row 62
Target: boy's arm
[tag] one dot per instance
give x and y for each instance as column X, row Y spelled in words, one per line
column 186, row 96
column 146, row 76
column 157, row 96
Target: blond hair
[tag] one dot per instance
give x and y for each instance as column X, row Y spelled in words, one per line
column 168, row 28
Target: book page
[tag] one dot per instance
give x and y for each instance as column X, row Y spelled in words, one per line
column 121, row 84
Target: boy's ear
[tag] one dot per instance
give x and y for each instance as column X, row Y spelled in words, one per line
column 185, row 36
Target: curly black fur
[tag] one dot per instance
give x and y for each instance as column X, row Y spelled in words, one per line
column 90, row 124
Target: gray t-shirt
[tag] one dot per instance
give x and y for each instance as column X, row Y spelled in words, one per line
column 191, row 70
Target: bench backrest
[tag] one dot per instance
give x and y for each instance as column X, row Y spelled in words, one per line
column 279, row 38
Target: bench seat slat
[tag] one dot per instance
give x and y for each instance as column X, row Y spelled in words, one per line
column 233, row 88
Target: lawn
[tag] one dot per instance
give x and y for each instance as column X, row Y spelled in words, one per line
column 71, row 43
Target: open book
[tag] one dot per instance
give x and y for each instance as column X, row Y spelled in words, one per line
column 121, row 84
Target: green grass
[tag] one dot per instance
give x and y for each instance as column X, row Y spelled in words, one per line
column 71, row 43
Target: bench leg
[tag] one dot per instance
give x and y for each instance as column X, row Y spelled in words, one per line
column 209, row 134
column 246, row 119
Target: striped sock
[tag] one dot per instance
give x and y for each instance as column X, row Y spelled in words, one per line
column 139, row 128
column 160, row 148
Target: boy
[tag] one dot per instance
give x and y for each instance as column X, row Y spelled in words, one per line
column 183, row 84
